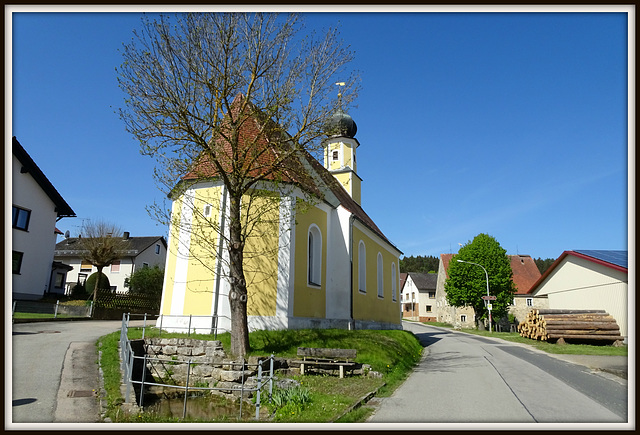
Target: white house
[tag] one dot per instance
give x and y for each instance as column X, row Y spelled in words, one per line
column 142, row 252
column 588, row 279
column 418, row 296
column 36, row 207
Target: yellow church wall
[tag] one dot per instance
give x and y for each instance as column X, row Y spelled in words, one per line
column 261, row 256
column 369, row 306
column 170, row 268
column 203, row 248
column 309, row 300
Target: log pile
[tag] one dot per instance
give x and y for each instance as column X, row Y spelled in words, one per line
column 570, row 325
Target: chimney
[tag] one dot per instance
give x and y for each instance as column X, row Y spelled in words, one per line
column 125, row 235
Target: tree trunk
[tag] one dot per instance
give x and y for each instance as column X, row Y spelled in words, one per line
column 238, row 292
column 95, row 288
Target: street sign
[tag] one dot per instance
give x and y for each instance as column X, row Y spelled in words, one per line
column 489, row 298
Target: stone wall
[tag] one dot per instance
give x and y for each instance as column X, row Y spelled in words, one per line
column 167, row 363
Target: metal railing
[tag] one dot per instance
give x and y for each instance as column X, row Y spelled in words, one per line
column 128, row 358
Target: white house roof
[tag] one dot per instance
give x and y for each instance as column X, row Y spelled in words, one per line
column 29, row 166
column 71, row 248
column 618, row 258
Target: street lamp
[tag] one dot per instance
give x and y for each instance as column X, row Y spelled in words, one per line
column 488, row 300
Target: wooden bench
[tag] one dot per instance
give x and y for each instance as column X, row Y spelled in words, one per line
column 326, row 357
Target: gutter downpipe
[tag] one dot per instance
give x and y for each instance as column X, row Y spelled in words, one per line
column 223, row 211
column 352, row 323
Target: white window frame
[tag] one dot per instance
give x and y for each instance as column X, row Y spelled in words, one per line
column 314, row 256
column 529, row 302
column 380, row 275
column 463, row 317
column 362, row 267
column 117, row 264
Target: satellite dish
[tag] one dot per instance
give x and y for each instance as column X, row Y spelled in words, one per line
column 67, row 234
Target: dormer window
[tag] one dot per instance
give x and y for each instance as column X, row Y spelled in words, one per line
column 335, row 155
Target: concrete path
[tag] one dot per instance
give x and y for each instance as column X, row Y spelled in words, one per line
column 467, row 379
column 54, row 371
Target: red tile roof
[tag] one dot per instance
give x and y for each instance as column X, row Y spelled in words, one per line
column 262, row 147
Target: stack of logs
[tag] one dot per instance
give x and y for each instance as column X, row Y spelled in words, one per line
column 574, row 325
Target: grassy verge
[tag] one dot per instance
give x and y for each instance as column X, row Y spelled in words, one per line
column 38, row 316
column 566, row 349
column 391, row 353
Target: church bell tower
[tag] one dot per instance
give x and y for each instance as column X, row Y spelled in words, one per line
column 340, row 152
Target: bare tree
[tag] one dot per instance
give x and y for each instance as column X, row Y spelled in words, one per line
column 102, row 243
column 234, row 97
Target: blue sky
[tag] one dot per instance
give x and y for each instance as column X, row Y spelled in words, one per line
column 510, row 124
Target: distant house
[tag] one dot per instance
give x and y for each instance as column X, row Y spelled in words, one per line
column 418, row 296
column 143, row 252
column 525, row 274
column 36, row 207
column 588, row 279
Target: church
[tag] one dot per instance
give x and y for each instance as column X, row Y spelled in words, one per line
column 315, row 260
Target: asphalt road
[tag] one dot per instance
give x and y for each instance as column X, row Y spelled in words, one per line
column 469, row 379
column 39, row 354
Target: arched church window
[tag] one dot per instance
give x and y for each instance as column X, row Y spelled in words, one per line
column 314, row 263
column 380, row 276
column 362, row 267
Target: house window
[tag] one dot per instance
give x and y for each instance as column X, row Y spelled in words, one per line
column 428, row 307
column 362, row 267
column 529, row 302
column 21, row 218
column 432, row 295
column 380, row 277
column 85, row 266
column 393, row 281
column 82, row 278
column 17, row 261
column 207, row 212
column 145, row 265
column 59, row 282
column 335, row 155
column 157, row 249
column 115, row 266
column 463, row 318
column 314, row 264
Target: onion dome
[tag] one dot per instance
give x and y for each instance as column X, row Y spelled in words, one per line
column 341, row 124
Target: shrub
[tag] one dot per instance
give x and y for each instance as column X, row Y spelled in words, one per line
column 90, row 284
column 79, row 291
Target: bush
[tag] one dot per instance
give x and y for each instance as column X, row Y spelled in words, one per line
column 90, row 284
column 79, row 291
column 146, row 281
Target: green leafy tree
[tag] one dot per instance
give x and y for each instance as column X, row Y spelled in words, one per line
column 422, row 264
column 146, row 281
column 193, row 85
column 467, row 283
column 543, row 265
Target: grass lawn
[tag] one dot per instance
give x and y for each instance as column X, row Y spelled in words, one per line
column 567, row 349
column 38, row 316
column 391, row 353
